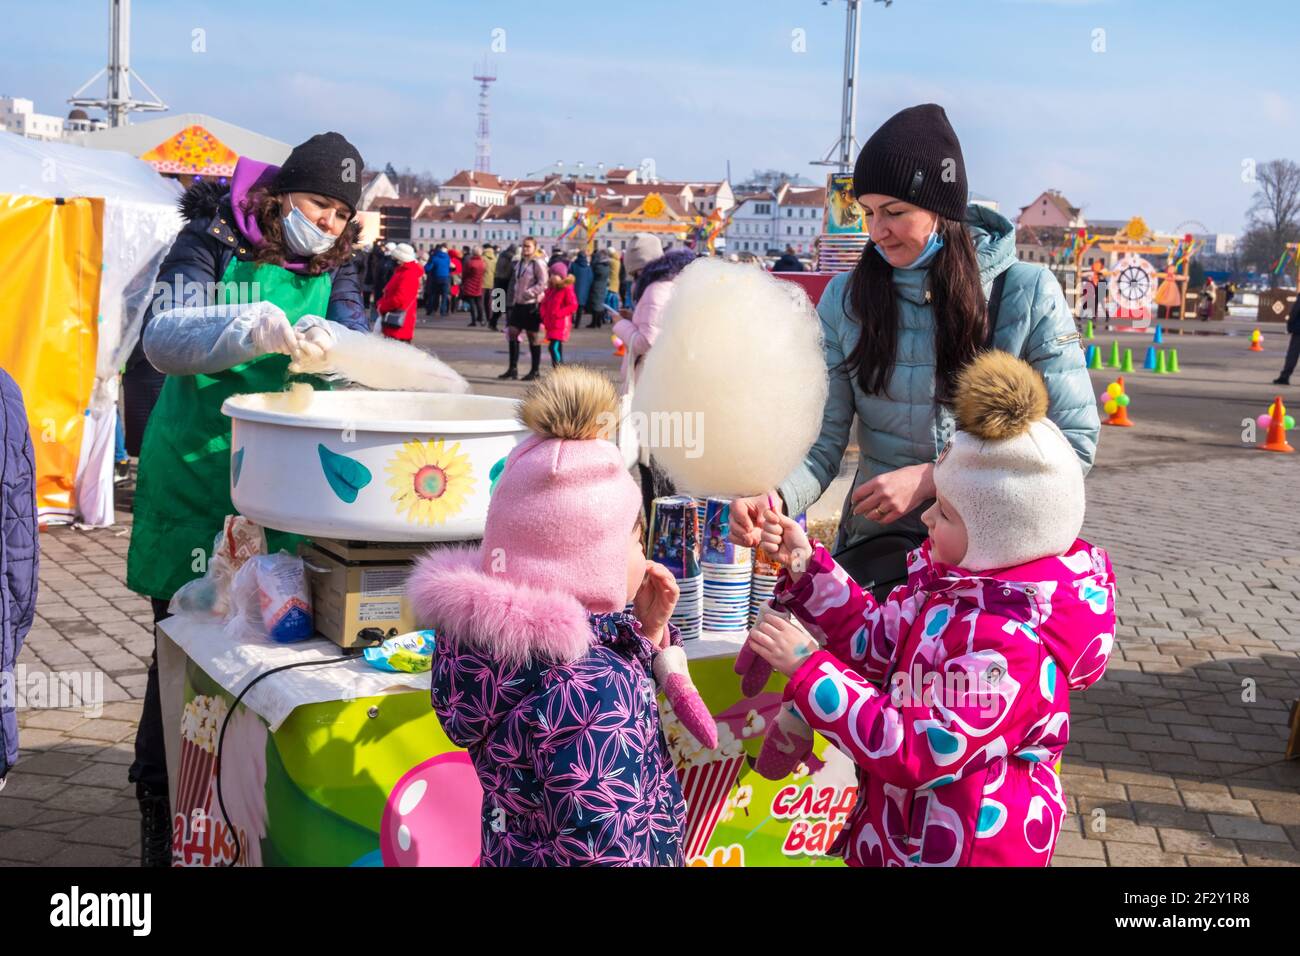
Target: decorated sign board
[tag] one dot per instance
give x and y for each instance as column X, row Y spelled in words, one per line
column 193, row 151
column 376, row 782
column 843, row 214
column 652, row 216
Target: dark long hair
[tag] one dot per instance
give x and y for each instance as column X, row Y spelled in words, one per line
column 265, row 208
column 960, row 313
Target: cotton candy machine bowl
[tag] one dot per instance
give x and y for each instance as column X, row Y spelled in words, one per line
column 369, row 466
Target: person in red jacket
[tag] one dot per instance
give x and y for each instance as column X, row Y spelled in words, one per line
column 457, row 274
column 559, row 305
column 471, row 286
column 402, row 293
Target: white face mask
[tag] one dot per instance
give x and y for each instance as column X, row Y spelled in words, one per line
column 303, row 236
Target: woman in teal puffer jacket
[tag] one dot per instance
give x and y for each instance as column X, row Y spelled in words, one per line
column 900, row 327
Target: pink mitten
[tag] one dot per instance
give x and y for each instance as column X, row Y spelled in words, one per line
column 788, row 743
column 675, row 680
column 753, row 670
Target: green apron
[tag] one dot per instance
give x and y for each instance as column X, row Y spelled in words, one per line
column 183, row 489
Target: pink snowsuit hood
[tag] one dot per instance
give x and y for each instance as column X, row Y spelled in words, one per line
column 1066, row 614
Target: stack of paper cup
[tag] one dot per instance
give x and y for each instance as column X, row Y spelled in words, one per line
column 767, row 571
column 701, row 509
column 727, row 571
column 674, row 543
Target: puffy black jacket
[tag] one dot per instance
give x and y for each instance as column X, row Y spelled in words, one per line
column 200, row 254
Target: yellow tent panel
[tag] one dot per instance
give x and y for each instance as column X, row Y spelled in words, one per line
column 51, row 254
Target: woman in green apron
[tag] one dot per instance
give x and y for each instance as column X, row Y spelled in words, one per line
column 255, row 279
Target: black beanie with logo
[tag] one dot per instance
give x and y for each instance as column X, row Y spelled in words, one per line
column 327, row 164
column 915, row 156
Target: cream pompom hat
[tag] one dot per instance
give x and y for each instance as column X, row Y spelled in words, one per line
column 1008, row 470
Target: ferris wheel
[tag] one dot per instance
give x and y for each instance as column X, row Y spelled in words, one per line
column 1133, row 284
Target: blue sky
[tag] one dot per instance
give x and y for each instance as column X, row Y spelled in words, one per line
column 1159, row 124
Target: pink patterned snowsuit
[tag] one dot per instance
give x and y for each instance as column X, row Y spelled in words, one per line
column 955, row 759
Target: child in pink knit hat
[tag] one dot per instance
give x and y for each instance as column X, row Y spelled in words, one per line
column 539, row 672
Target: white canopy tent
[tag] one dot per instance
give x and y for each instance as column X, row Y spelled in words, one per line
column 140, row 222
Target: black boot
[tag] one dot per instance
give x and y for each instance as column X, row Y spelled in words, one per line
column 1281, row 381
column 155, row 826
column 535, row 353
column 513, row 371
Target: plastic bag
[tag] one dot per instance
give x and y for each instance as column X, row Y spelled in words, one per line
column 193, row 340
column 406, row 653
column 238, row 541
column 269, row 598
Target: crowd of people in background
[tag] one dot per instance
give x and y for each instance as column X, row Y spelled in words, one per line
column 476, row 280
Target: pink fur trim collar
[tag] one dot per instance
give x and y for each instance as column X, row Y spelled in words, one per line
column 512, row 622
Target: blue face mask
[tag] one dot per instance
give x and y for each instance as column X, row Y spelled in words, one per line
column 303, row 236
column 932, row 247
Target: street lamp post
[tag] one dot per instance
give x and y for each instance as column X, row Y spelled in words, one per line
column 845, row 148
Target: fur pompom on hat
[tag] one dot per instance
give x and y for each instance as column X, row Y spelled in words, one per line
column 573, row 403
column 564, row 506
column 999, row 397
column 1008, row 471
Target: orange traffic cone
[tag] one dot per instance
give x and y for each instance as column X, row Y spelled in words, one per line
column 1256, row 341
column 1276, row 438
column 1120, row 401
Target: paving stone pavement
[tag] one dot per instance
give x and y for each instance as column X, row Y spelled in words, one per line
column 67, row 802
column 1175, row 758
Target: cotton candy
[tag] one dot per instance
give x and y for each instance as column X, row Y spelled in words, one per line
column 731, row 395
column 378, row 362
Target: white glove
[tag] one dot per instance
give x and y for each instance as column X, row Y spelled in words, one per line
column 271, row 331
column 314, row 339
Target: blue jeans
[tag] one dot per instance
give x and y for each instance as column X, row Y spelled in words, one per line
column 119, row 440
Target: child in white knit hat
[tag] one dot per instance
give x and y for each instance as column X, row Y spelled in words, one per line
column 1004, row 612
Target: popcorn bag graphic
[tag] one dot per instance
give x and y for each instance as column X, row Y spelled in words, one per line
column 192, row 818
column 705, row 788
column 707, row 777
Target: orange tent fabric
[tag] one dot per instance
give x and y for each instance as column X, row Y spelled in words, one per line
column 51, row 254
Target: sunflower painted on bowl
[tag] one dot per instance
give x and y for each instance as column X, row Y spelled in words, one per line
column 431, row 480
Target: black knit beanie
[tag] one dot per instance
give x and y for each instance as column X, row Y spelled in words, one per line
column 327, row 164
column 915, row 156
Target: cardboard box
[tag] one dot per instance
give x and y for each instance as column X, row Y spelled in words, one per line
column 358, row 597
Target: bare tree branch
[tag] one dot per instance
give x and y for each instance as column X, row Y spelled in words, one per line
column 1274, row 215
